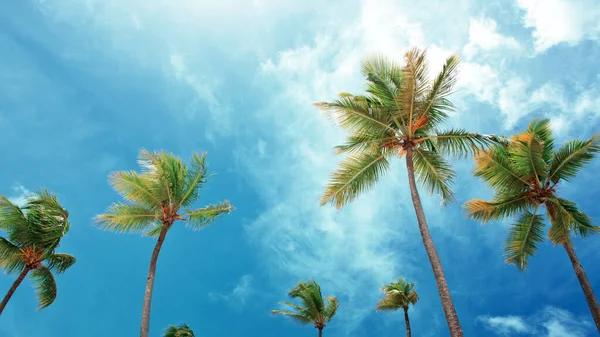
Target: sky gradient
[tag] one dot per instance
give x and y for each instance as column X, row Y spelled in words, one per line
column 84, row 84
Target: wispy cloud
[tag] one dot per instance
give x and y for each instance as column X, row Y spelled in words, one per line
column 550, row 322
column 20, row 195
column 238, row 296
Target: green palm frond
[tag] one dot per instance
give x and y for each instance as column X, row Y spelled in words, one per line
column 200, row 218
column 195, row 179
column 436, row 105
column 387, row 304
column 523, row 238
column 179, row 331
column 496, row 168
column 357, row 174
column 293, row 315
column 135, row 188
column 59, row 262
column 572, row 156
column 11, row 215
column 415, row 84
column 397, row 295
column 330, row 308
column 357, row 144
column 434, row 173
column 126, row 218
column 10, row 257
column 527, row 154
column 501, row 208
column 460, row 143
column 45, row 286
column 540, row 128
column 566, row 217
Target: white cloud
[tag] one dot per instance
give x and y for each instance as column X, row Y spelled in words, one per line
column 558, row 21
column 480, row 80
column 549, row 322
column 238, row 296
column 513, row 101
column 20, row 195
column 505, row 325
column 484, row 36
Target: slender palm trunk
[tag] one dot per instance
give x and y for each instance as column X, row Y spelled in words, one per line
column 150, row 284
column 434, row 259
column 320, row 332
column 12, row 289
column 585, row 284
column 407, row 321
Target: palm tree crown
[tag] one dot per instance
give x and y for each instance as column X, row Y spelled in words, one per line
column 179, row 331
column 155, row 197
column 33, row 232
column 397, row 295
column 400, row 112
column 313, row 308
column 525, row 175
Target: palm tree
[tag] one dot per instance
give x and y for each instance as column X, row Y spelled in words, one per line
column 399, row 116
column 313, row 309
column 525, row 175
column 33, row 232
column 398, row 295
column 179, row 331
column 154, row 200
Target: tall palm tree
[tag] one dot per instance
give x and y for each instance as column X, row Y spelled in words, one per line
column 398, row 295
column 399, row 116
column 154, row 199
column 179, row 331
column 33, row 232
column 525, row 176
column 313, row 308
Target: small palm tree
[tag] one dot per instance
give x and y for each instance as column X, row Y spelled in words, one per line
column 179, row 331
column 313, row 309
column 398, row 295
column 399, row 116
column 525, row 176
column 154, row 199
column 33, row 233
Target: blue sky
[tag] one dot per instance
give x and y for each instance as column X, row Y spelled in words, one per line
column 84, row 84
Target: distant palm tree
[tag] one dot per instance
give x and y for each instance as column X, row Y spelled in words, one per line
column 179, row 331
column 33, row 233
column 154, row 200
column 313, row 309
column 525, row 176
column 400, row 116
column 398, row 295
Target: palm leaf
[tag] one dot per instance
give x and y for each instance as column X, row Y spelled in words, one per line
column 200, row 218
column 527, row 153
column 179, row 331
column 11, row 215
column 523, row 238
column 10, row 257
column 45, row 286
column 59, row 262
column 485, row 211
column 195, row 179
column 126, row 218
column 436, row 106
column 566, row 216
column 293, row 315
column 330, row 308
column 134, row 188
column 497, row 169
column 357, row 174
column 572, row 156
column 459, row 143
column 541, row 130
column 434, row 173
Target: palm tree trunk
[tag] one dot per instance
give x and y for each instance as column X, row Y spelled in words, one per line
column 585, row 284
column 434, row 259
column 12, row 289
column 150, row 284
column 320, row 332
column 407, row 321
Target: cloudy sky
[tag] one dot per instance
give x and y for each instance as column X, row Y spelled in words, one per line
column 84, row 84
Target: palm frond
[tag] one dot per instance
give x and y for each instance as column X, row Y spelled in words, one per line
column 485, row 211
column 11, row 215
column 179, row 331
column 566, row 216
column 195, row 179
column 356, row 174
column 434, row 173
column 45, row 286
column 460, row 143
column 126, row 218
column 572, row 156
column 10, row 257
column 496, row 168
column 135, row 188
column 363, row 143
column 541, row 130
column 387, row 304
column 293, row 315
column 60, row 262
column 523, row 238
column 527, row 153
column 330, row 308
column 200, row 218
column 436, row 105
column 414, row 84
